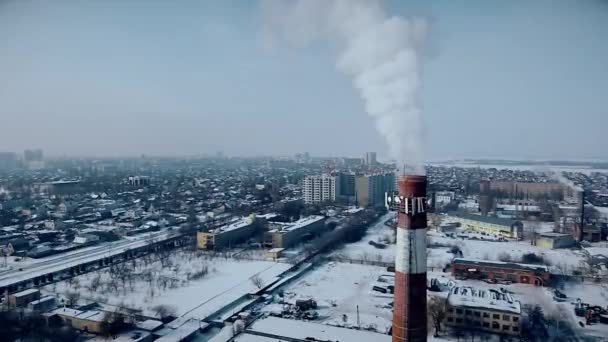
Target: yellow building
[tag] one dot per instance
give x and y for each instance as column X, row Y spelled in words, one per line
column 552, row 240
column 229, row 235
column 489, row 225
column 488, row 310
column 91, row 321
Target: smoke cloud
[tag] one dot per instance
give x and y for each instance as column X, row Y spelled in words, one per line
column 381, row 53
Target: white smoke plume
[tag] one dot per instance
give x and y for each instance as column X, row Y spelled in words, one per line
column 381, row 53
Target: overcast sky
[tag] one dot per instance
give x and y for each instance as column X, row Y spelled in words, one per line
column 504, row 79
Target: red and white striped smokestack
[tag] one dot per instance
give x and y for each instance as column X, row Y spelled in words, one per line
column 409, row 310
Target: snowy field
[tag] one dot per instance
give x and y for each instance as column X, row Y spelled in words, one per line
column 338, row 289
column 565, row 259
column 438, row 255
column 195, row 284
column 362, row 250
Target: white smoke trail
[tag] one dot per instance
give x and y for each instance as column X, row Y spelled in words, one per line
column 380, row 53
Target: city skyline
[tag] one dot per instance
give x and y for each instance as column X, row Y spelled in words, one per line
column 102, row 79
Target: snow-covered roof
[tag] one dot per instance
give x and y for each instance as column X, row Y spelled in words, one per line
column 43, row 300
column 483, row 299
column 93, row 315
column 26, row 293
column 245, row 222
column 303, row 222
column 486, row 219
column 149, row 324
column 529, row 267
column 183, row 332
column 302, row 330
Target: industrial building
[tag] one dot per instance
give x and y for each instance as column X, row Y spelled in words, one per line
column 370, row 188
column 230, row 234
column 552, row 240
column 530, row 189
column 42, row 304
column 318, row 189
column 23, row 298
column 90, row 321
column 285, row 235
column 487, row 310
column 501, row 271
column 489, row 225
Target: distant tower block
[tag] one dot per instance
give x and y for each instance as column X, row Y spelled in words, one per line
column 409, row 310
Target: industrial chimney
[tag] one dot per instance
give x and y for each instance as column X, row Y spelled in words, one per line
column 409, row 309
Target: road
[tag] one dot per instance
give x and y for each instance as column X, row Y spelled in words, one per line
column 65, row 261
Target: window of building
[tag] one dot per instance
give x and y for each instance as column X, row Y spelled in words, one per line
column 506, row 327
column 459, row 311
column 450, row 310
column 515, row 328
column 476, row 313
column 495, row 325
column 477, row 323
column 486, row 315
column 515, row 319
column 467, row 312
column 450, row 319
column 458, row 320
column 506, row 317
column 496, row 316
column 486, row 324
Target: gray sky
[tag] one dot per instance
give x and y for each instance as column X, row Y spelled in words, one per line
column 505, row 79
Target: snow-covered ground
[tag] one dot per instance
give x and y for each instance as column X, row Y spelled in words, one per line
column 340, row 288
column 195, row 284
column 566, row 259
column 378, row 232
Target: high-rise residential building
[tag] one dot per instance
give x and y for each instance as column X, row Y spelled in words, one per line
column 319, row 189
column 370, row 159
column 33, row 155
column 370, row 188
column 347, row 184
column 8, row 160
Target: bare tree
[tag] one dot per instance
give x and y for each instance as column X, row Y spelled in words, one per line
column 257, row 281
column 72, row 297
column 436, row 309
column 164, row 311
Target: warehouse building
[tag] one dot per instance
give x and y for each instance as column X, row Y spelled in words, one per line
column 501, row 271
column 489, row 225
column 285, row 235
column 487, row 310
column 89, row 321
column 552, row 240
column 230, row 234
column 23, row 298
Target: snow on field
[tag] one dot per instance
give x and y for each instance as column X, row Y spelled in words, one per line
column 338, row 289
column 567, row 259
column 378, row 232
column 195, row 284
